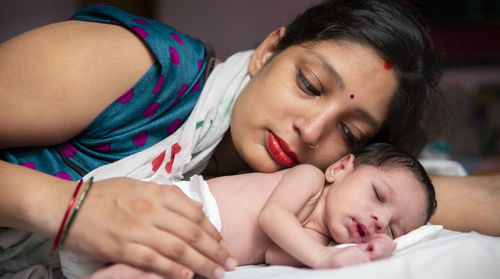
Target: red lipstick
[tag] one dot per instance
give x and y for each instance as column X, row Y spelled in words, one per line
column 280, row 151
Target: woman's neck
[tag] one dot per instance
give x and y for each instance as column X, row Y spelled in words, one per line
column 225, row 160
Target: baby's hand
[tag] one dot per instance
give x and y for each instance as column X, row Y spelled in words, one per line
column 381, row 246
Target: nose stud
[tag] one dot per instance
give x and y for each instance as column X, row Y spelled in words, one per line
column 313, row 146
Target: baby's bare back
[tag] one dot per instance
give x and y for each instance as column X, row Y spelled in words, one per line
column 240, row 198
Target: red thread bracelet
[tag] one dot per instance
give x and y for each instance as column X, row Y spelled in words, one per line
column 70, row 206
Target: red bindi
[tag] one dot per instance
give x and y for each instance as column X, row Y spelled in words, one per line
column 352, row 96
column 387, row 65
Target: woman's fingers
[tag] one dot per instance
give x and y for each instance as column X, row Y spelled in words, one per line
column 178, row 202
column 194, row 236
column 180, row 252
column 150, row 260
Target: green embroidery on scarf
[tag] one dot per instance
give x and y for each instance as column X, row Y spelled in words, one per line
column 199, row 124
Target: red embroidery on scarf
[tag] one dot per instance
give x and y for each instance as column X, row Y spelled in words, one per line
column 157, row 161
column 176, row 148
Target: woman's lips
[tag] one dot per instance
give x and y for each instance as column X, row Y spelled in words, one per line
column 279, row 150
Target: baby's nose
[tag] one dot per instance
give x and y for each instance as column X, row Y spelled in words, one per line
column 380, row 223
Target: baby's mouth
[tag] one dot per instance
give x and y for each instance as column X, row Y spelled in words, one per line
column 360, row 232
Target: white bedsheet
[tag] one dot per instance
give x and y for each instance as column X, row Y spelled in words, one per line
column 449, row 255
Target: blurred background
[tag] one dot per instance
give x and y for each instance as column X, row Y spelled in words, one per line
column 466, row 33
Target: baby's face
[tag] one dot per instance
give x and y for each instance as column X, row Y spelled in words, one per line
column 371, row 200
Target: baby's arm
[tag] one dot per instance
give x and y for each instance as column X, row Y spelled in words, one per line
column 276, row 256
column 293, row 199
column 333, row 256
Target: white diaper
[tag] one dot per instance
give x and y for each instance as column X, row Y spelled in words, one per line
column 76, row 266
column 197, row 189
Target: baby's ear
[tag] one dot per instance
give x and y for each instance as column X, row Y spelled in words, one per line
column 339, row 168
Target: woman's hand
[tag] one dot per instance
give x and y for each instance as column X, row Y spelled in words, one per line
column 150, row 227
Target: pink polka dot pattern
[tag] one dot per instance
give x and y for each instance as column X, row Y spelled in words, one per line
column 69, row 150
column 174, row 56
column 63, row 175
column 200, row 63
column 126, row 97
column 140, row 21
column 177, row 38
column 140, row 138
column 117, row 23
column 183, row 89
column 158, row 85
column 30, row 165
column 141, row 32
column 173, row 127
column 102, row 147
column 196, row 86
column 151, row 110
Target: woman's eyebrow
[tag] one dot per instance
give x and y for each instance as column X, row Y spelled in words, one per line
column 328, row 67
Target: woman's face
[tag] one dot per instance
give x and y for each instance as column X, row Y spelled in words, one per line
column 310, row 104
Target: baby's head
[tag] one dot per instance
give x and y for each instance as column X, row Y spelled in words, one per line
column 379, row 189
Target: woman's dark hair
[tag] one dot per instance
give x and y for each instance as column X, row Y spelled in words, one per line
column 388, row 155
column 397, row 37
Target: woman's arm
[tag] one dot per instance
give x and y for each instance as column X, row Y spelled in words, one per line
column 470, row 203
column 56, row 79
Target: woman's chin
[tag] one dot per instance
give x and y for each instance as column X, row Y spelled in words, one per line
column 267, row 166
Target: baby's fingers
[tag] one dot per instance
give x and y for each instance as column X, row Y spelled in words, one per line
column 380, row 247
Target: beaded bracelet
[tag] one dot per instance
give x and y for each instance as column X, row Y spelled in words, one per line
column 70, row 206
column 82, row 197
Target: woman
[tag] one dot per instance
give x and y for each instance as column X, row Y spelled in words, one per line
column 310, row 93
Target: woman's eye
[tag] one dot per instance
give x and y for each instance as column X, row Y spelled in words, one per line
column 307, row 86
column 349, row 137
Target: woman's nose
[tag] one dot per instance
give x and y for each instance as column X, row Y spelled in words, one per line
column 312, row 126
